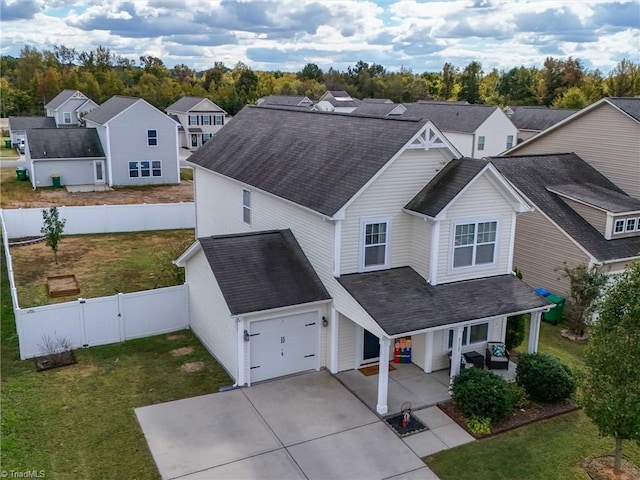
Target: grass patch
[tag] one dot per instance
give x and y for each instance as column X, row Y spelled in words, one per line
column 12, row 188
column 79, row 421
column 186, row 174
column 7, row 153
column 555, row 448
column 128, row 262
column 569, row 352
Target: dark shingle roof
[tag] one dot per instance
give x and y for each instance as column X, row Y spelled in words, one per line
column 450, row 116
column 109, row 109
column 288, row 100
column 443, row 188
column 538, row 118
column 187, row 103
column 52, row 143
column 629, row 105
column 532, row 174
column 376, row 100
column 598, row 196
column 317, row 160
column 59, row 99
column 376, row 109
column 401, row 301
column 25, row 123
column 262, row 270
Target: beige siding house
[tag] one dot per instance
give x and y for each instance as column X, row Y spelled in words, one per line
column 324, row 257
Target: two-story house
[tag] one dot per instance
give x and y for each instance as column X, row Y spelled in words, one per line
column 533, row 119
column 68, row 107
column 140, row 142
column 337, row 101
column 199, row 119
column 312, row 258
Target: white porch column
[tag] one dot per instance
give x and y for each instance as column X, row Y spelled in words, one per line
column 240, row 380
column 333, row 341
column 534, row 332
column 456, row 352
column 428, row 352
column 383, row 376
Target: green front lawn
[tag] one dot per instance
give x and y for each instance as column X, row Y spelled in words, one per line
column 79, row 421
column 551, row 449
column 7, row 153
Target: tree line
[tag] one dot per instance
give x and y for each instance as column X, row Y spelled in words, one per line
column 31, row 80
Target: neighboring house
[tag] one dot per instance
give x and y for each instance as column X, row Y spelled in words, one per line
column 313, row 257
column 140, row 142
column 68, row 107
column 199, row 119
column 606, row 135
column 475, row 130
column 73, row 154
column 286, row 101
column 381, row 109
column 337, row 101
column 581, row 217
column 18, row 126
column 531, row 120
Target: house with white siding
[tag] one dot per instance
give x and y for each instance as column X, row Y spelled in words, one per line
column 140, row 143
column 68, row 107
column 199, row 119
column 310, row 258
column 337, row 101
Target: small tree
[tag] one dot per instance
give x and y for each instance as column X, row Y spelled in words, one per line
column 611, row 384
column 52, row 229
column 586, row 283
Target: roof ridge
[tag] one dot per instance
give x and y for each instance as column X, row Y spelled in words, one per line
column 287, row 108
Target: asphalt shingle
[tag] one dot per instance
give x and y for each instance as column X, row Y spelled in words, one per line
column 450, row 117
column 55, row 143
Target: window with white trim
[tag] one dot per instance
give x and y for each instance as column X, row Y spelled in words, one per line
column 509, row 141
column 476, row 334
column 619, row 226
column 631, row 224
column 193, row 119
column 145, row 168
column 152, row 138
column 246, row 206
column 219, row 119
column 481, row 142
column 474, row 244
column 66, row 117
column 375, row 243
column 205, row 137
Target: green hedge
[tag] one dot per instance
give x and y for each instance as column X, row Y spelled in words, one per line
column 544, row 378
column 482, row 394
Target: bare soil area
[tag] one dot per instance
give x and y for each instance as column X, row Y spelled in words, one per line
column 15, row 194
column 601, row 468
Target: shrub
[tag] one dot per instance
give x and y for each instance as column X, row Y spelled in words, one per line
column 544, row 378
column 518, row 395
column 482, row 394
column 478, row 426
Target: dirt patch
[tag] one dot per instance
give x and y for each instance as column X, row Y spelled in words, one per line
column 175, row 336
column 192, row 367
column 79, row 371
column 601, row 468
column 519, row 418
column 572, row 336
column 62, row 285
column 179, row 352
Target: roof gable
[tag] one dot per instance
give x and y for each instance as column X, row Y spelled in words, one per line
column 52, row 143
column 316, row 160
column 62, row 98
column 187, row 104
column 537, row 118
column 451, row 117
column 262, row 271
column 536, row 175
column 111, row 109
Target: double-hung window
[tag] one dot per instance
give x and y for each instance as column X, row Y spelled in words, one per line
column 205, row 137
column 481, row 142
column 66, row 117
column 206, row 119
column 152, row 138
column 475, row 334
column 375, row 243
column 193, row 119
column 509, row 141
column 474, row 244
column 246, row 206
column 219, row 119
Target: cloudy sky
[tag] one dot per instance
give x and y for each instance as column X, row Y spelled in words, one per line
column 287, row 34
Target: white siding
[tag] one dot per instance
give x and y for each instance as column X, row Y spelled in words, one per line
column 386, row 197
column 439, row 359
column 209, row 316
column 480, row 201
column 495, row 129
column 347, row 344
column 417, row 350
column 420, row 246
column 605, row 138
column 462, row 141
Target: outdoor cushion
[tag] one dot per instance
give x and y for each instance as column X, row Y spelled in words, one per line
column 498, row 350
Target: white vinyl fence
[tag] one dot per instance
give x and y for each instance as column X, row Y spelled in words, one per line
column 100, row 321
column 104, row 320
column 26, row 222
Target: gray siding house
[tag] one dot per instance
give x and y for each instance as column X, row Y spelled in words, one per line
column 69, row 106
column 140, row 142
column 199, row 119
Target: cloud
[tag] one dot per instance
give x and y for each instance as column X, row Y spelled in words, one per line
column 616, row 14
column 19, row 10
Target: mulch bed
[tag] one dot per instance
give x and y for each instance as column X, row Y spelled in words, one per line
column 519, row 418
column 601, row 468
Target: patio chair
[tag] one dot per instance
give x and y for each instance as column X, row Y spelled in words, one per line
column 497, row 362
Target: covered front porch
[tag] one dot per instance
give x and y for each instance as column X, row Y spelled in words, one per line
column 407, row 383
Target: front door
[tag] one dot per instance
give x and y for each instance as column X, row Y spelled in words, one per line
column 194, row 140
column 370, row 347
column 98, row 172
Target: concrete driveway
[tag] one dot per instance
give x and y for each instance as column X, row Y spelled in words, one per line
column 301, row 427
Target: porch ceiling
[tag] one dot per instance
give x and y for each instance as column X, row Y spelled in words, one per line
column 401, row 301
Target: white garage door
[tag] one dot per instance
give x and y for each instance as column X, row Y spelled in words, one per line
column 283, row 345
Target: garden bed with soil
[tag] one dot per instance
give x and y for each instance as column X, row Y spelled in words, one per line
column 520, row 417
